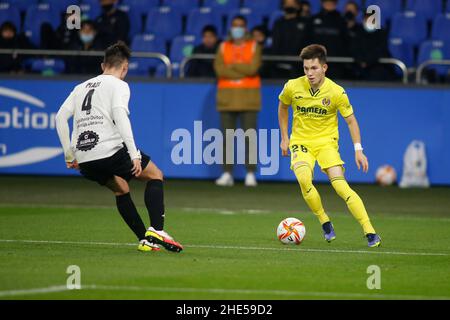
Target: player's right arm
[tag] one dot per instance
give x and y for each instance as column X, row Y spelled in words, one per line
column 285, row 98
column 62, row 127
column 283, row 120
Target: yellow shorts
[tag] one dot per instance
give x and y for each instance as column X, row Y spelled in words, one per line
column 326, row 154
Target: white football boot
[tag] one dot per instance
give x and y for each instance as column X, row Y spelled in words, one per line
column 225, row 180
column 250, row 180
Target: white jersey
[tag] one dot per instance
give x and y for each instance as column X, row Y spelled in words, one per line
column 92, row 103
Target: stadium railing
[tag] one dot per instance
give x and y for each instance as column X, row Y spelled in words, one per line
column 421, row 68
column 167, row 62
column 392, row 61
column 39, row 53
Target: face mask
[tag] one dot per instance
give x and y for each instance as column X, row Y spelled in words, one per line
column 290, row 10
column 87, row 38
column 107, row 7
column 349, row 16
column 369, row 29
column 237, row 32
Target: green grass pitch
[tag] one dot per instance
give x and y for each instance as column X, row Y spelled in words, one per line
column 231, row 250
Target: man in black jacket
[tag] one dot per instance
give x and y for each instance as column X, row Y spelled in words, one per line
column 112, row 25
column 288, row 38
column 329, row 29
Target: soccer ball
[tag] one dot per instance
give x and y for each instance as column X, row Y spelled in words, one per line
column 291, row 231
column 386, row 175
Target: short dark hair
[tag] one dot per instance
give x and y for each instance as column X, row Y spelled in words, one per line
column 116, row 54
column 240, row 17
column 209, row 28
column 88, row 22
column 8, row 25
column 314, row 51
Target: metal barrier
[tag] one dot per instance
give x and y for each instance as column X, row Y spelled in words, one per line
column 155, row 55
column 427, row 63
column 393, row 61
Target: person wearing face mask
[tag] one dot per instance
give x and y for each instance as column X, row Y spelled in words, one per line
column 329, row 28
column 86, row 41
column 371, row 44
column 288, row 38
column 112, row 25
column 354, row 29
column 9, row 39
column 237, row 65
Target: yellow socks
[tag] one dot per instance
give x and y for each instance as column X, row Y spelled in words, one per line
column 354, row 203
column 309, row 192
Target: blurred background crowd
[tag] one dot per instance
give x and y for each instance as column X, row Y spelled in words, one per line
column 412, row 31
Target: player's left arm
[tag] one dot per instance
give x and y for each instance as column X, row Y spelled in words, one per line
column 360, row 158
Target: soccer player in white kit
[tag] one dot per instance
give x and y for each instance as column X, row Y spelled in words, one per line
column 102, row 147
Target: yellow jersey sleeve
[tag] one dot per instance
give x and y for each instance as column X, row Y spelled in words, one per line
column 286, row 95
column 343, row 104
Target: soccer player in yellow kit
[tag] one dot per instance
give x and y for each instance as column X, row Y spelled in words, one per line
column 316, row 100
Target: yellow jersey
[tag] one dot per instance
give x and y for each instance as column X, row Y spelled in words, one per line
column 315, row 112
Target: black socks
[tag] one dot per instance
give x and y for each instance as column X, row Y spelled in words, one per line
column 154, row 201
column 130, row 214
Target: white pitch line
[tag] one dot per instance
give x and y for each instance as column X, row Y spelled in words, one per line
column 298, row 294
column 23, row 292
column 224, row 211
column 236, row 247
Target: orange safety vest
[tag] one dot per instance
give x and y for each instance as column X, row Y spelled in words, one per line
column 243, row 53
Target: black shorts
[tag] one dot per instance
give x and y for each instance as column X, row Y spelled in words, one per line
column 119, row 164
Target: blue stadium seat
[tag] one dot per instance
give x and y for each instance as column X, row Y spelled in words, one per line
column 434, row 50
column 182, row 7
column 388, row 8
column 427, row 8
column 60, row 5
column 253, row 19
column 448, row 7
column 222, row 7
column 262, row 7
column 277, row 14
column 182, row 47
column 316, row 6
column 142, row 6
column 11, row 14
column 136, row 19
column 90, row 9
column 35, row 16
column 22, row 5
column 410, row 27
column 48, row 66
column 402, row 51
column 441, row 27
column 200, row 17
column 164, row 22
column 145, row 43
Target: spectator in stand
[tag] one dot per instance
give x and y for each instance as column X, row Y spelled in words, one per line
column 9, row 39
column 86, row 41
column 288, row 38
column 354, row 30
column 329, row 29
column 209, row 45
column 112, row 25
column 259, row 34
column 305, row 9
column 372, row 44
column 237, row 66
column 65, row 37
